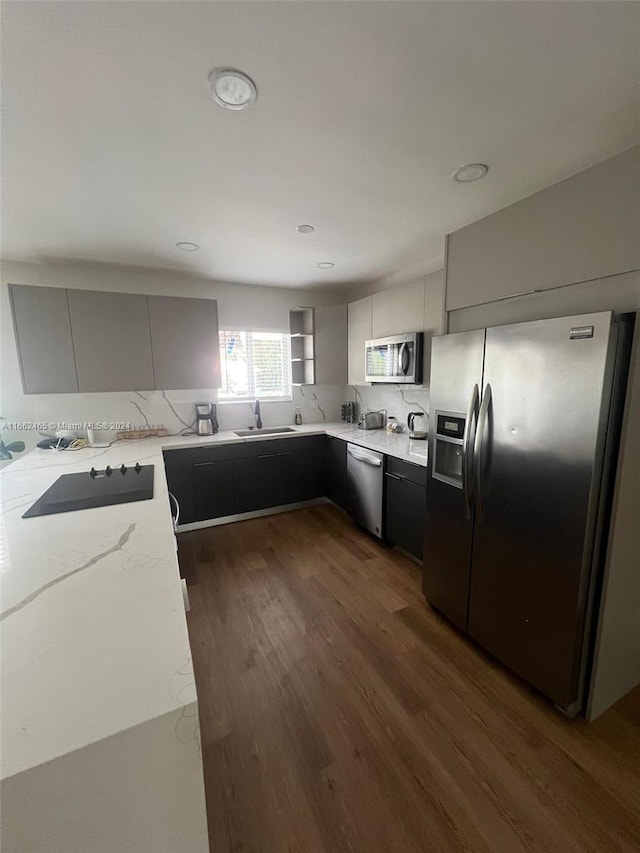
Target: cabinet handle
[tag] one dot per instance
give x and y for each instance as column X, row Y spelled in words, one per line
column 265, row 456
column 394, row 476
column 185, row 595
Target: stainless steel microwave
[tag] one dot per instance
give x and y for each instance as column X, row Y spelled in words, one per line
column 396, row 359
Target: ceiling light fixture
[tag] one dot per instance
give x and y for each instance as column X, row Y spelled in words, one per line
column 325, row 265
column 185, row 246
column 305, row 229
column 231, row 88
column 470, row 172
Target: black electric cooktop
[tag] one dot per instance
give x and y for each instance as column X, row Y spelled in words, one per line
column 95, row 488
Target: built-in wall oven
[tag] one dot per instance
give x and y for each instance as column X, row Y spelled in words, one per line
column 396, row 359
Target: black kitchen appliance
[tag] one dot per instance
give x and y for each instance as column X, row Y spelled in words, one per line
column 348, row 412
column 95, row 488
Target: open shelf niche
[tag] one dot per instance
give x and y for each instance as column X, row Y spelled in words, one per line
column 302, row 330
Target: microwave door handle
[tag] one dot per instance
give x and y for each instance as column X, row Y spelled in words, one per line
column 404, row 360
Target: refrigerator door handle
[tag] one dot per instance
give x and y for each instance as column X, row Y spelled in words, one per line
column 477, row 448
column 467, row 454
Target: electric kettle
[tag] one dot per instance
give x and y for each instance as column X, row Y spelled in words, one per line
column 417, row 423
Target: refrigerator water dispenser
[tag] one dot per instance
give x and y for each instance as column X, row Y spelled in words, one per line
column 447, row 457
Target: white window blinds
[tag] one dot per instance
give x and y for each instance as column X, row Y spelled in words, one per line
column 255, row 365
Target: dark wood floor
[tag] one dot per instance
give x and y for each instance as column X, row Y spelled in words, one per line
column 340, row 713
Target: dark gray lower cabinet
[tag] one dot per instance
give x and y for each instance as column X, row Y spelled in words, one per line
column 338, row 488
column 278, row 472
column 214, row 489
column 405, row 501
column 256, row 482
column 178, row 466
column 212, row 482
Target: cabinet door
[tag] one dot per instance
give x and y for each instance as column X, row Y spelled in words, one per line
column 256, row 482
column 178, row 466
column 359, row 332
column 337, row 482
column 405, row 511
column 43, row 338
column 296, row 474
column 111, row 341
column 398, row 310
column 583, row 228
column 184, row 337
column 331, row 344
column 214, row 489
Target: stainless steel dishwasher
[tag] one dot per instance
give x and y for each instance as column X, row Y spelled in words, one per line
column 365, row 473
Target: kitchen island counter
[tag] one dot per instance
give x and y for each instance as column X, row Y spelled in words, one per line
column 92, row 620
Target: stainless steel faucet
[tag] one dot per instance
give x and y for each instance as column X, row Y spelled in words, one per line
column 256, row 413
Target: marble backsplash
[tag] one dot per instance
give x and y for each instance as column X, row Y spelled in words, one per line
column 173, row 410
column 398, row 400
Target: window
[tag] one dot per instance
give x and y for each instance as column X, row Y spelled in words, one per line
column 255, row 365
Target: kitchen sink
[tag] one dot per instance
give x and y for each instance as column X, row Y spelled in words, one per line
column 264, row 431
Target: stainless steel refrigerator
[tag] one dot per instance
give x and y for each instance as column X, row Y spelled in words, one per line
column 524, row 431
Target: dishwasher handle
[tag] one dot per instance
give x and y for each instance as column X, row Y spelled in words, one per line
column 363, row 456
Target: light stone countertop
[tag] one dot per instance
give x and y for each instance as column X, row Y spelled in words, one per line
column 393, row 444
column 92, row 622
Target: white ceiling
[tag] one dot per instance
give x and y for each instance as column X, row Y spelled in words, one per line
column 113, row 150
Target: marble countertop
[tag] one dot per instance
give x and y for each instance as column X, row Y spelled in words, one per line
column 393, row 444
column 92, row 622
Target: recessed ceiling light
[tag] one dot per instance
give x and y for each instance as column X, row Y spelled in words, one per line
column 187, row 247
column 325, row 265
column 470, row 172
column 305, row 229
column 231, row 88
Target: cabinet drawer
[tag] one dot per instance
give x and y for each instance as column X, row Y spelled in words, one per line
column 407, row 470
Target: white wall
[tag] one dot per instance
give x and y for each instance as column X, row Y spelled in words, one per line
column 245, row 306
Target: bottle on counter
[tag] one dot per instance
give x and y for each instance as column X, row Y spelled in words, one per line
column 298, row 417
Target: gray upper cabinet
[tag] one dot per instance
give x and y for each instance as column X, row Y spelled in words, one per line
column 398, row 310
column 360, row 327
column 184, row 335
column 43, row 338
column 111, row 341
column 331, row 344
column 583, row 228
